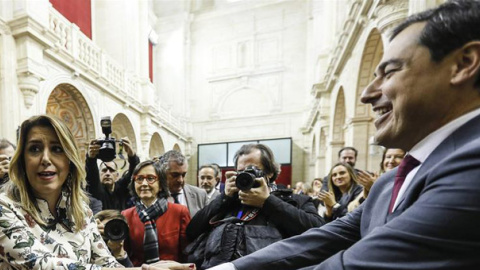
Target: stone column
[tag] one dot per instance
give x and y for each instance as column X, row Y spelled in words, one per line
column 334, row 146
column 360, row 127
column 28, row 31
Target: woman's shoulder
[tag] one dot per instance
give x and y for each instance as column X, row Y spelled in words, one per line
column 5, row 200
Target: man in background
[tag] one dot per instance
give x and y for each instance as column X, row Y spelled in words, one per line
column 7, row 149
column 105, row 184
column 208, row 179
column 192, row 197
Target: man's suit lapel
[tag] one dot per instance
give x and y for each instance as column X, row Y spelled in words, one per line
column 464, row 134
column 188, row 195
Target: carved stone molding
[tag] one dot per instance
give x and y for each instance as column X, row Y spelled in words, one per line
column 389, row 13
column 29, row 85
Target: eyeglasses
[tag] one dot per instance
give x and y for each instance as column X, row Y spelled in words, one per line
column 149, row 177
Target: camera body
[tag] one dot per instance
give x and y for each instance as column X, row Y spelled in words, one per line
column 246, row 179
column 107, row 150
column 115, row 230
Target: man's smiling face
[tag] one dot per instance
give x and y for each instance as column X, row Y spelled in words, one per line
column 410, row 92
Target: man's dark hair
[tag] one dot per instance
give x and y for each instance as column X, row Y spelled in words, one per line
column 4, row 143
column 348, row 148
column 266, row 158
column 448, row 27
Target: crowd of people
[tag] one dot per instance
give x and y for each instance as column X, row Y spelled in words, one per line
column 165, row 218
column 58, row 212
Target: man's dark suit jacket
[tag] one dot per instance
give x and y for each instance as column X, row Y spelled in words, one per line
column 435, row 226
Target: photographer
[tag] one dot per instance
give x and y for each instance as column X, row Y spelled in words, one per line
column 246, row 219
column 103, row 185
column 120, row 232
column 7, row 149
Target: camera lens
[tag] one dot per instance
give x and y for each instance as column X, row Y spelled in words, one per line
column 107, row 151
column 245, row 181
column 116, row 230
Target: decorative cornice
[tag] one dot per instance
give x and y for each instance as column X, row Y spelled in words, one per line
column 26, row 25
column 390, row 13
column 4, row 28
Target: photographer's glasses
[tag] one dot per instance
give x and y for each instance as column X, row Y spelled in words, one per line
column 149, row 177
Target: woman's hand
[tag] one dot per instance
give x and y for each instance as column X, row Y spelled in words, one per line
column 366, row 179
column 328, row 198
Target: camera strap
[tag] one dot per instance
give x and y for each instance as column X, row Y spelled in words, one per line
column 249, row 214
column 120, row 155
column 242, row 216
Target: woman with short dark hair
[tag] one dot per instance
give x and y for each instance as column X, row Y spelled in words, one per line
column 157, row 227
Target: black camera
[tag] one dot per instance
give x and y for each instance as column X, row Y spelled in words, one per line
column 246, row 179
column 115, row 230
column 107, row 148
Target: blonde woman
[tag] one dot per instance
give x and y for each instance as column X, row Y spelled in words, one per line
column 343, row 188
column 44, row 215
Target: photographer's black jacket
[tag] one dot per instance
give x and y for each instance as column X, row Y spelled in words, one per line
column 283, row 215
column 120, row 195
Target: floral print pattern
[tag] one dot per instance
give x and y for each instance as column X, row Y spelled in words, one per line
column 24, row 244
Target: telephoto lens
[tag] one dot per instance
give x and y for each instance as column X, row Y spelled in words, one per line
column 116, row 230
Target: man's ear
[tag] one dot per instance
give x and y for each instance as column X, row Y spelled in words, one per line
column 467, row 66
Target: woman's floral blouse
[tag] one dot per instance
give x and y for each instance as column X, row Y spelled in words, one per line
column 24, row 244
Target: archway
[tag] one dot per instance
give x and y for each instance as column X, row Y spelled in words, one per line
column 67, row 103
column 372, row 54
column 176, row 147
column 156, row 147
column 122, row 127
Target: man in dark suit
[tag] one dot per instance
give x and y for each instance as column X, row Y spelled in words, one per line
column 426, row 95
column 176, row 167
column 208, row 178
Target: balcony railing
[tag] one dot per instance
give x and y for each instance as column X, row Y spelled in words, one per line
column 85, row 53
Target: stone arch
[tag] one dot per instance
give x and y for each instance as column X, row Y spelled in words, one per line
column 176, row 147
column 67, row 103
column 122, row 127
column 156, row 147
column 372, row 54
column 338, row 135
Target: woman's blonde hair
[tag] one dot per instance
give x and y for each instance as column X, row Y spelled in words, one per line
column 353, row 179
column 19, row 189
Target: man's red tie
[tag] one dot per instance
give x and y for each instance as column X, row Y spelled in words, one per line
column 408, row 164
